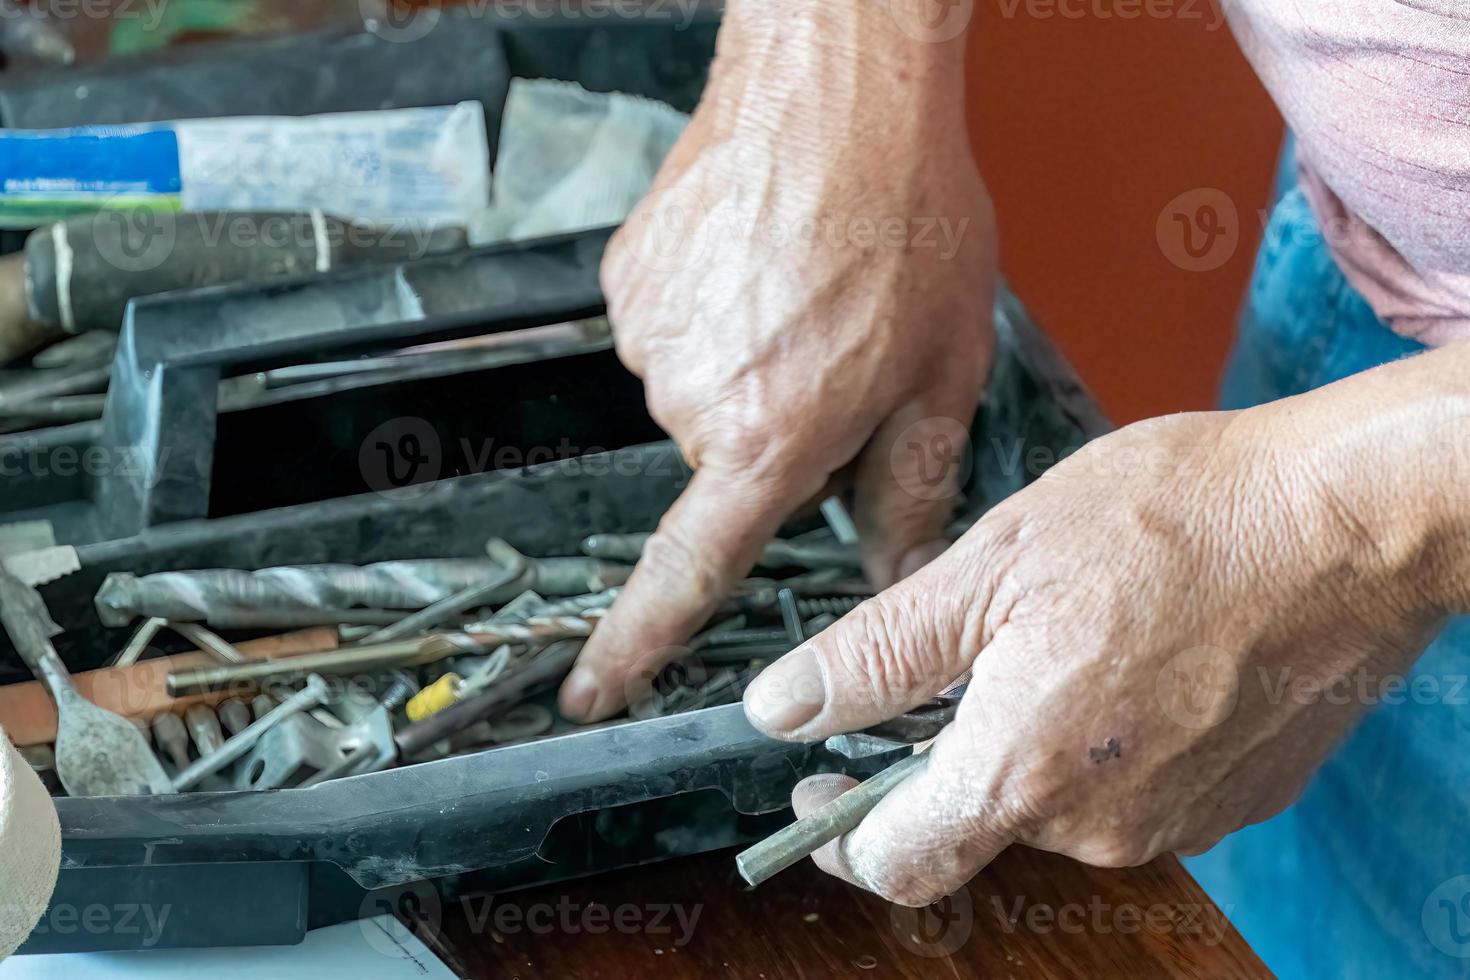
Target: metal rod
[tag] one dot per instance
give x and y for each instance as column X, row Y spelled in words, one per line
column 470, row 597
column 763, row 861
column 382, row 656
column 325, row 595
column 776, row 554
column 210, row 642
column 15, row 395
column 314, row 694
column 139, row 642
column 791, row 617
column 834, row 511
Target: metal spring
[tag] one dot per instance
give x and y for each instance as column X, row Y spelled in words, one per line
column 834, row 605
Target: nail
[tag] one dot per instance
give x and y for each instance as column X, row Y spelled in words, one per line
column 579, row 694
column 787, row 694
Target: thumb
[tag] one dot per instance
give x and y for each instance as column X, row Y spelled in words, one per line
column 889, row 655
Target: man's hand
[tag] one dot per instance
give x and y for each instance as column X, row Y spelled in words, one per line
column 1168, row 632
column 807, row 294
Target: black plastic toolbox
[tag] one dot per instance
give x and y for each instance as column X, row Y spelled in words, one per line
column 241, row 868
column 262, row 867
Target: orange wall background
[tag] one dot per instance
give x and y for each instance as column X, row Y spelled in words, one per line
column 1087, row 128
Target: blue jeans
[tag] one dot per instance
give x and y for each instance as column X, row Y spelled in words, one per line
column 1368, row 875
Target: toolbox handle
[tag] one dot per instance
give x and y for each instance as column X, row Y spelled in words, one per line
column 174, row 348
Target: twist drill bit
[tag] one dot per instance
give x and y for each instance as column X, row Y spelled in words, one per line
column 777, row 554
column 291, row 595
column 416, row 652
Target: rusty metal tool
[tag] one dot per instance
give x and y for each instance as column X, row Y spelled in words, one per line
column 234, row 715
column 761, row 862
column 172, row 738
column 204, row 726
column 320, row 595
column 791, row 617
column 28, row 712
column 98, row 753
column 261, row 705
column 138, row 643
column 912, row 727
column 302, row 750
column 368, row 658
column 835, row 513
column 776, row 554
column 513, row 567
column 786, row 847
column 313, row 695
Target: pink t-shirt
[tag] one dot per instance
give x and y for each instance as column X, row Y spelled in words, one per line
column 1378, row 93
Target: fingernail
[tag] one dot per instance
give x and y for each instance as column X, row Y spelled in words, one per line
column 787, row 694
column 819, row 790
column 917, row 558
column 579, row 694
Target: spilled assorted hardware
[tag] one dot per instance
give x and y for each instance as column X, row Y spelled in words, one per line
column 393, row 663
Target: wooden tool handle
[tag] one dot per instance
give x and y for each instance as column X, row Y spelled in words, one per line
column 28, row 715
column 19, row 333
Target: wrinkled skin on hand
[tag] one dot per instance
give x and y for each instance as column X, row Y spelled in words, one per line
column 1166, row 633
column 798, row 304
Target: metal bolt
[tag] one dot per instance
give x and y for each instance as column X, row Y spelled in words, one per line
column 204, row 726
column 172, row 738
column 262, row 705
column 234, row 714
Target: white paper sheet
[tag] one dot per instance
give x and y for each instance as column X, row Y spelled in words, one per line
column 371, row 949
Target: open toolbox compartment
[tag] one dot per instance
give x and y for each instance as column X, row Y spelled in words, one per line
column 181, row 486
column 262, row 867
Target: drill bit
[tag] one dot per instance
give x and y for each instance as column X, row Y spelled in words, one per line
column 398, row 653
column 233, row 599
column 776, row 554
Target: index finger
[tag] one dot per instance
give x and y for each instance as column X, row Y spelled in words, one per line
column 706, row 543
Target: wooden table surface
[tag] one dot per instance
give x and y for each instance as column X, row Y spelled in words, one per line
column 1029, row 916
